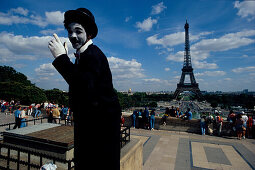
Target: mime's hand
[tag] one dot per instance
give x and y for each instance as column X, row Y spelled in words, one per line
column 56, row 47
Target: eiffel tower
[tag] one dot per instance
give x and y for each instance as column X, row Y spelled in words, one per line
column 187, row 70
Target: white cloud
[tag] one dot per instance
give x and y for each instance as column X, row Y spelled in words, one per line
column 226, row 42
column 204, row 65
column 244, row 69
column 51, row 31
column 22, row 16
column 246, row 9
column 173, row 39
column 167, row 69
column 128, row 18
column 55, row 17
column 20, row 11
column 211, row 73
column 146, row 25
column 167, row 40
column 124, row 69
column 152, row 80
column 200, row 51
column 178, row 57
column 157, row 9
column 227, row 79
column 46, row 70
column 15, row 47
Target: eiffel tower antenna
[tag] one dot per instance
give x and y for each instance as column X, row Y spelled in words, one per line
column 187, row 70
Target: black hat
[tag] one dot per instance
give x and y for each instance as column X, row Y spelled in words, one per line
column 84, row 17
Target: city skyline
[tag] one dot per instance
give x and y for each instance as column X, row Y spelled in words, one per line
column 143, row 41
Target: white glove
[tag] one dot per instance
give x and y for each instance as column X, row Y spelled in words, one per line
column 56, row 47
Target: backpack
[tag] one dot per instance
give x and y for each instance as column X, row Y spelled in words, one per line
column 219, row 119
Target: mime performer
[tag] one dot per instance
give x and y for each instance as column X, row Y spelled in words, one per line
column 91, row 94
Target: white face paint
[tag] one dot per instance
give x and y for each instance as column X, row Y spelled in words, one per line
column 77, row 35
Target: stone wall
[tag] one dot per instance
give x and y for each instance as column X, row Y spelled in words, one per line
column 132, row 155
column 178, row 124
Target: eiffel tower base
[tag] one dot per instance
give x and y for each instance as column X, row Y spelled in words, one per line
column 187, row 87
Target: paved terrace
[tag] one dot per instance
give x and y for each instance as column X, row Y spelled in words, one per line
column 165, row 150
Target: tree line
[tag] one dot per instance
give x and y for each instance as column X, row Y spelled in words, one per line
column 15, row 86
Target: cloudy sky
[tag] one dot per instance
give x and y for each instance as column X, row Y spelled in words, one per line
column 143, row 41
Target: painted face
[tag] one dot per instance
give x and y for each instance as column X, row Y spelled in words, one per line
column 77, row 35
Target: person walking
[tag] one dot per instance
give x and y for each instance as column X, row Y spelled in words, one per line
column 55, row 114
column 202, row 124
column 165, row 116
column 239, row 126
column 219, row 122
column 249, row 126
column 152, row 119
column 245, row 119
column 17, row 117
column 134, row 117
column 23, row 117
column 91, row 92
column 209, row 122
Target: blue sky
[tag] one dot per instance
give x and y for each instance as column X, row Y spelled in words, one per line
column 143, row 41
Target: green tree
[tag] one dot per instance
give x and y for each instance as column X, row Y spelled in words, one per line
column 15, row 85
column 57, row 96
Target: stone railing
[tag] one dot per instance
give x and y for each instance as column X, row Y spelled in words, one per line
column 178, row 124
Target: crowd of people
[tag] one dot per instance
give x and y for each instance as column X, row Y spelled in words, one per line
column 52, row 111
column 239, row 124
column 242, row 124
column 146, row 119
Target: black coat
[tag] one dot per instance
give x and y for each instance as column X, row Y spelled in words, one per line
column 96, row 109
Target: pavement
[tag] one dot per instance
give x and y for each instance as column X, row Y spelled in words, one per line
column 168, row 150
column 174, row 150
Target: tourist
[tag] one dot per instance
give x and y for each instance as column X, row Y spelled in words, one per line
column 140, row 118
column 249, row 127
column 165, row 116
column 17, row 117
column 69, row 116
column 55, row 114
column 202, row 124
column 245, row 119
column 122, row 121
column 232, row 120
column 219, row 122
column 37, row 110
column 134, row 117
column 64, row 111
column 49, row 114
column 209, row 122
column 30, row 110
column 172, row 112
column 239, row 126
column 189, row 114
column 177, row 112
column 23, row 117
column 146, row 116
column 3, row 105
column 152, row 119
column 91, row 92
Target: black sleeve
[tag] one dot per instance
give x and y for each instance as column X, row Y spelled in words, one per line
column 85, row 74
column 65, row 67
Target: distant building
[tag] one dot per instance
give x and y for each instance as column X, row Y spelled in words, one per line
column 130, row 92
column 245, row 91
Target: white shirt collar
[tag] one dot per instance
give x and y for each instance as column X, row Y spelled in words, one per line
column 84, row 47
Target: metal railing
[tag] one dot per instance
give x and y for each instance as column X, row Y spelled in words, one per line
column 124, row 136
column 124, row 139
column 28, row 162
